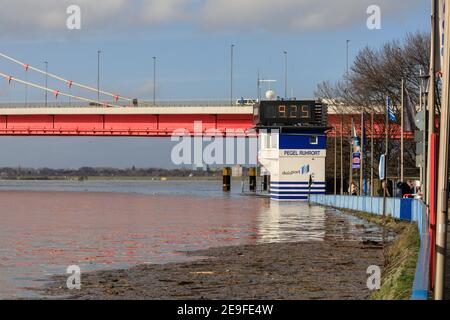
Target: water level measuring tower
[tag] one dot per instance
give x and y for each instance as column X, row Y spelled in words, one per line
column 292, row 147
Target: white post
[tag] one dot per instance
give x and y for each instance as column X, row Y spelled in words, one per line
column 442, row 189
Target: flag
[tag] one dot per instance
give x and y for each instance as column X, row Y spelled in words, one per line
column 363, row 137
column 354, row 134
column 409, row 113
column 363, row 132
column 354, row 138
column 390, row 110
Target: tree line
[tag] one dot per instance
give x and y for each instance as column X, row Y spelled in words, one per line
column 13, row 173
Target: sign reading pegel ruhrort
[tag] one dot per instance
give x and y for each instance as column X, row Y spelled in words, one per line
column 290, row 113
column 302, row 153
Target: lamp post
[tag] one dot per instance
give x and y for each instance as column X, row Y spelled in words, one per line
column 98, row 75
column 46, row 83
column 342, row 130
column 424, row 84
column 231, row 77
column 154, row 80
column 285, row 74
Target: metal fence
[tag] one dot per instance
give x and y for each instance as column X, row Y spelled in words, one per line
column 142, row 103
column 411, row 210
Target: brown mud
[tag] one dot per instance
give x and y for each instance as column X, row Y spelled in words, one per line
column 334, row 268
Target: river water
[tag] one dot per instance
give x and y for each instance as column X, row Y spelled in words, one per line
column 47, row 226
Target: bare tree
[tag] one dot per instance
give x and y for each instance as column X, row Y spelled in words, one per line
column 375, row 74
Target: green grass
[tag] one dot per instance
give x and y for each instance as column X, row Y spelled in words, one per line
column 400, row 266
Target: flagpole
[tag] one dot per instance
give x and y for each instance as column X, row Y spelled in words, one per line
column 342, row 153
column 351, row 159
column 335, row 160
column 402, row 138
column 442, row 190
column 372, row 160
column 386, row 159
column 361, row 171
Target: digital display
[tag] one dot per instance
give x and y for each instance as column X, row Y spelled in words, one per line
column 291, row 111
column 288, row 113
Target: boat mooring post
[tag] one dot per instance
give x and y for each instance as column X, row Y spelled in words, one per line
column 310, row 182
column 252, row 179
column 265, row 184
column 226, row 179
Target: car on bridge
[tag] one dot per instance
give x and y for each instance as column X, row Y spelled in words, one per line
column 246, row 102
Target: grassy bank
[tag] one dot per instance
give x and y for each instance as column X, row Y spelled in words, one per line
column 400, row 258
column 400, row 268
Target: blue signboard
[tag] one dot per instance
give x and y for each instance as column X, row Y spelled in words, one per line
column 356, row 162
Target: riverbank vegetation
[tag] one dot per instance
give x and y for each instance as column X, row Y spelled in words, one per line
column 90, row 173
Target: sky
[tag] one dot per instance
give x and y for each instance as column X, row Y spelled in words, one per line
column 191, row 40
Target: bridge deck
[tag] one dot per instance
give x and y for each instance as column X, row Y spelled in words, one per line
column 127, row 121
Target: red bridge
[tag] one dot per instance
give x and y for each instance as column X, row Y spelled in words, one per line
column 127, row 121
column 161, row 121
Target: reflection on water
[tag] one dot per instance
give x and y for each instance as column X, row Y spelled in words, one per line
column 297, row 222
column 293, row 222
column 120, row 224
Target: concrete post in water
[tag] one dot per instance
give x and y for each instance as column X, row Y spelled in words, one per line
column 226, row 179
column 265, row 185
column 252, row 179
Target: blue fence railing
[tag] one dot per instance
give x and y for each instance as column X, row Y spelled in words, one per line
column 404, row 209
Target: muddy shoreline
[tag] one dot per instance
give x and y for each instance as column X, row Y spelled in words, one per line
column 285, row 271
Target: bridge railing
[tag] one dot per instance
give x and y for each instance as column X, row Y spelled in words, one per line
column 144, row 103
column 411, row 210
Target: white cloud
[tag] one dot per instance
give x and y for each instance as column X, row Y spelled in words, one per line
column 166, row 11
column 47, row 17
column 31, row 17
column 293, row 15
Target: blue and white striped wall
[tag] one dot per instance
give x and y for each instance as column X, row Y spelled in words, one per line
column 295, row 191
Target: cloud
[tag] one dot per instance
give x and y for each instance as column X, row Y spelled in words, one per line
column 164, row 12
column 293, row 15
column 32, row 17
column 23, row 18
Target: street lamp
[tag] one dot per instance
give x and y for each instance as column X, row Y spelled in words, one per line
column 154, row 80
column 46, row 83
column 285, row 74
column 98, row 75
column 423, row 95
column 231, row 78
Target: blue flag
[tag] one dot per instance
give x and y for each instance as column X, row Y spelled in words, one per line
column 390, row 110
